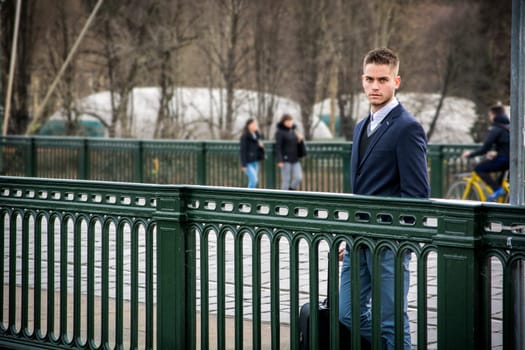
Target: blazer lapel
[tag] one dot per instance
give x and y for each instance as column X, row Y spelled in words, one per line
column 355, row 155
column 387, row 122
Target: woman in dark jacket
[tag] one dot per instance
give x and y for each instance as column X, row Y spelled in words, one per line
column 252, row 151
column 289, row 148
column 498, row 160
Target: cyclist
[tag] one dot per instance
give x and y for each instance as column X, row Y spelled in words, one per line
column 498, row 138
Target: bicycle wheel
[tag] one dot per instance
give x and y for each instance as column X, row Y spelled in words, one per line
column 457, row 189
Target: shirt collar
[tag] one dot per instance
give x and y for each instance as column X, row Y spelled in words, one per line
column 383, row 112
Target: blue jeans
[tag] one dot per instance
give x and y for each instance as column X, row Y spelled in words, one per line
column 484, row 169
column 365, row 295
column 252, row 172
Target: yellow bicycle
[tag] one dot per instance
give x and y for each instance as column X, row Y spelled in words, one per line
column 470, row 186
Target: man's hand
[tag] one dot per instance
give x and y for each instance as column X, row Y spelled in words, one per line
column 491, row 154
column 243, row 169
column 280, row 164
column 341, row 253
column 299, row 137
column 465, row 154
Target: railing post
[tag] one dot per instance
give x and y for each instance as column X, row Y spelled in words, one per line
column 87, row 158
column 201, row 164
column 171, row 272
column 269, row 164
column 435, row 159
column 347, row 180
column 83, row 163
column 2, row 144
column 31, row 162
column 139, row 163
column 460, row 290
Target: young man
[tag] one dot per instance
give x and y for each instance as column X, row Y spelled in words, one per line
column 388, row 159
column 499, row 159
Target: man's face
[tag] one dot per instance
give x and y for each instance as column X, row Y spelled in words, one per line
column 380, row 83
column 491, row 117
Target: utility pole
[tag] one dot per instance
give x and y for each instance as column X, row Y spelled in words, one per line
column 1, row 93
column 7, row 110
column 1, row 77
column 517, row 158
column 517, row 104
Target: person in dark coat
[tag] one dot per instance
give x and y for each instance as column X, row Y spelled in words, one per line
column 252, row 151
column 496, row 149
column 289, row 148
column 388, row 159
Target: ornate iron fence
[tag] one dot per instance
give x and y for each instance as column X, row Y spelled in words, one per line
column 95, row 265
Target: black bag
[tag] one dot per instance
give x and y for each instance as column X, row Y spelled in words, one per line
column 301, row 149
column 323, row 330
column 260, row 153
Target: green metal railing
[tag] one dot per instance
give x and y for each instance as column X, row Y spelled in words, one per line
column 212, row 163
column 95, row 265
column 59, row 287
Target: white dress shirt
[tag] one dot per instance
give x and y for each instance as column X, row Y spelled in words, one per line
column 377, row 117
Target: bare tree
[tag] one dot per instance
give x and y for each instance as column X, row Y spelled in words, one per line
column 121, row 47
column 59, row 39
column 227, row 49
column 268, row 58
column 492, row 83
column 382, row 17
column 172, row 31
column 453, row 52
column 301, row 49
column 350, row 40
column 310, row 34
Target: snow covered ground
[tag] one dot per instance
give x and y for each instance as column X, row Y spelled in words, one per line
column 194, row 107
column 453, row 125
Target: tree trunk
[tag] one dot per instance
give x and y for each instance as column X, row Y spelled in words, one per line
column 442, row 96
column 310, row 35
column 267, row 56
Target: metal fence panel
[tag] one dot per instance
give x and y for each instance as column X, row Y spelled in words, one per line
column 77, row 266
column 214, row 163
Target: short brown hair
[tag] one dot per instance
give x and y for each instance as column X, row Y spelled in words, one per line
column 384, row 56
column 285, row 117
column 497, row 109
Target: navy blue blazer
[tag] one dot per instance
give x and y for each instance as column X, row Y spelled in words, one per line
column 395, row 162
